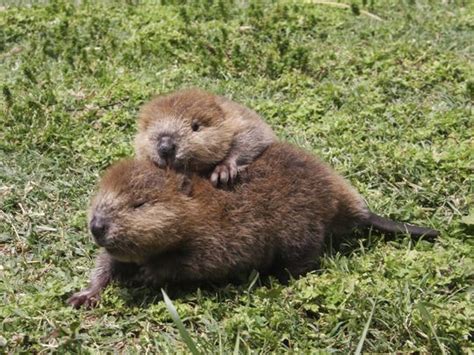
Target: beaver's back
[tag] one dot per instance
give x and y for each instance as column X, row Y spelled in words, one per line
column 278, row 214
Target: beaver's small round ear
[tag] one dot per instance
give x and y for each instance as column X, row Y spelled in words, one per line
column 185, row 184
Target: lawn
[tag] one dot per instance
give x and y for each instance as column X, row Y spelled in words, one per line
column 386, row 100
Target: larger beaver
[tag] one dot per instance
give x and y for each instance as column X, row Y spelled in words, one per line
column 194, row 130
column 158, row 226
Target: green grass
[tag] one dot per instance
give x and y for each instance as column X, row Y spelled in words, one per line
column 387, row 103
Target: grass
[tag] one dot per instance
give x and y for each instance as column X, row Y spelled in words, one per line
column 387, row 103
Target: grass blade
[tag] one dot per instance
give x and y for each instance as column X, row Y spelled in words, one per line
column 345, row 6
column 237, row 344
column 254, row 277
column 179, row 324
column 425, row 315
column 366, row 329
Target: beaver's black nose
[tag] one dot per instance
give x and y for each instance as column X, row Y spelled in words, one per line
column 99, row 227
column 166, row 147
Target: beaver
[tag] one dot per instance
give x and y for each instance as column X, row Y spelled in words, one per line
column 194, row 130
column 161, row 227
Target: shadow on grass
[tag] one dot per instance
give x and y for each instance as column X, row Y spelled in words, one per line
column 368, row 240
column 146, row 296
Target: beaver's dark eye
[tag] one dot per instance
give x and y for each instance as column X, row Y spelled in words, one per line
column 195, row 126
column 138, row 204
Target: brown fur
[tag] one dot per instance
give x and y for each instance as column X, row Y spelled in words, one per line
column 169, row 229
column 229, row 135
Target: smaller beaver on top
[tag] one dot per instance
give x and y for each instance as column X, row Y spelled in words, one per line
column 195, row 131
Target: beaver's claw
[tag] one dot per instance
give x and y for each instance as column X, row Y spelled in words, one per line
column 224, row 173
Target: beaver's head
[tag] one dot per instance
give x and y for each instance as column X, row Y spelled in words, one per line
column 137, row 210
column 185, row 130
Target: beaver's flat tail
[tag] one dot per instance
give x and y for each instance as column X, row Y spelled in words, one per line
column 383, row 224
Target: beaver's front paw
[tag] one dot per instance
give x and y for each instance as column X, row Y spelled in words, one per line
column 224, row 173
column 88, row 298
